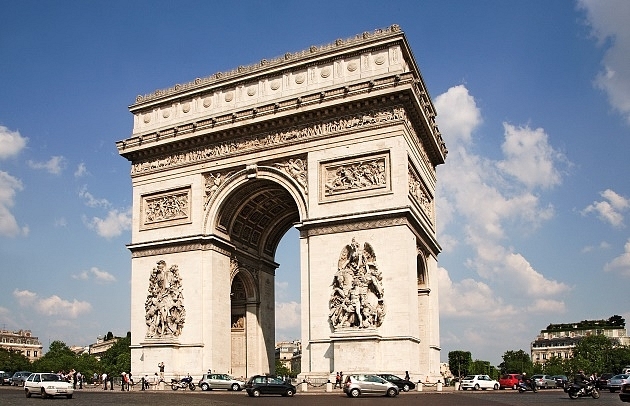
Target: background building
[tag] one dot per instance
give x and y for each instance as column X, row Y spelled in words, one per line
column 23, row 342
column 289, row 353
column 558, row 340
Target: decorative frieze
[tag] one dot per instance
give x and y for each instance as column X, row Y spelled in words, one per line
column 419, row 193
column 368, row 174
column 166, row 209
column 164, row 307
column 295, row 168
column 357, row 294
column 263, row 141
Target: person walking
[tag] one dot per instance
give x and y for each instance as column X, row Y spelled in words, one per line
column 337, row 381
column 104, row 378
column 161, row 366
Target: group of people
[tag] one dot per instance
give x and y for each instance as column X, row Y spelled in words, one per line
column 72, row 376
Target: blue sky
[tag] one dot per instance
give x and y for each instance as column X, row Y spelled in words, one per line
column 533, row 100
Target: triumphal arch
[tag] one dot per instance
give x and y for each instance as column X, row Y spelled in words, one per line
column 338, row 141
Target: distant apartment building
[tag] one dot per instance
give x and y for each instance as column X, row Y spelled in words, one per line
column 289, row 353
column 23, row 342
column 558, row 340
column 101, row 345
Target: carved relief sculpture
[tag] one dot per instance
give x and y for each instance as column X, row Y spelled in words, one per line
column 296, row 168
column 213, row 182
column 357, row 294
column 166, row 207
column 419, row 193
column 164, row 307
column 367, row 174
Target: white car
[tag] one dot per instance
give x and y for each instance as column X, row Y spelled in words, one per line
column 47, row 385
column 477, row 382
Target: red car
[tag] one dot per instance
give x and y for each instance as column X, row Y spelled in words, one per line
column 509, row 381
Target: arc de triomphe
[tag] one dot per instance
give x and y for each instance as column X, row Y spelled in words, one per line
column 339, row 141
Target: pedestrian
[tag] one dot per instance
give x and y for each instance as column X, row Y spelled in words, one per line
column 337, row 381
column 129, row 381
column 104, row 378
column 341, row 377
column 161, row 366
column 123, row 381
column 111, row 382
column 407, row 376
column 74, row 379
column 80, row 379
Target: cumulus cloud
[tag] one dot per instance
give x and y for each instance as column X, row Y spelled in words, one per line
column 288, row 319
column 90, row 200
column 96, row 274
column 80, row 171
column 458, row 113
column 620, row 264
column 52, row 305
column 609, row 23
column 610, row 210
column 111, row 226
column 55, row 165
column 9, row 186
column 11, row 142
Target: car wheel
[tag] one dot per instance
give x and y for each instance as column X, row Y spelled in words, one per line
column 43, row 394
column 405, row 388
column 235, row 387
column 391, row 392
column 289, row 392
column 354, row 393
column 476, row 386
column 496, row 386
column 28, row 394
column 255, row 393
column 204, row 386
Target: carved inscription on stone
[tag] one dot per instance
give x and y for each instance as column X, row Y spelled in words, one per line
column 264, row 141
column 296, row 168
column 419, row 193
column 357, row 294
column 166, row 208
column 365, row 174
column 164, row 307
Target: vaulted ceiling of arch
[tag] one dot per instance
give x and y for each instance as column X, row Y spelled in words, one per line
column 257, row 216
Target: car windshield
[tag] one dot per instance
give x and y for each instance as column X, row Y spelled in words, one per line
column 50, row 377
column 469, row 377
column 621, row 376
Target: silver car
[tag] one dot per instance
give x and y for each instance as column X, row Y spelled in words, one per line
column 367, row 384
column 544, row 381
column 220, row 381
column 614, row 384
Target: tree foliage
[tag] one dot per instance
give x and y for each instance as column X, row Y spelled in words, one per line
column 11, row 361
column 459, row 362
column 516, row 362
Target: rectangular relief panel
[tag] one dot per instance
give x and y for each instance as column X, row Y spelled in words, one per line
column 355, row 177
column 165, row 209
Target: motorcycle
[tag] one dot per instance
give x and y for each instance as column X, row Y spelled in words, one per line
column 524, row 386
column 576, row 391
column 183, row 383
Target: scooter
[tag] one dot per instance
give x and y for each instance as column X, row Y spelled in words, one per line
column 576, row 391
column 184, row 383
column 524, row 386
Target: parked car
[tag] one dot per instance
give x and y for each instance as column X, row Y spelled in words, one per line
column 269, row 385
column 19, row 377
column 561, row 380
column 614, row 384
column 509, row 381
column 544, row 381
column 5, row 378
column 602, row 381
column 624, row 395
column 367, row 384
column 220, row 381
column 47, row 385
column 404, row 385
column 477, row 382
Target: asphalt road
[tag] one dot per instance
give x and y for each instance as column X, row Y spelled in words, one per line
column 10, row 396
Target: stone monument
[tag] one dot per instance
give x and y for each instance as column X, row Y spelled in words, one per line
column 339, row 141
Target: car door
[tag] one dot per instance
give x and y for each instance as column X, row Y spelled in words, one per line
column 222, row 381
column 484, row 381
column 379, row 385
column 29, row 384
column 275, row 386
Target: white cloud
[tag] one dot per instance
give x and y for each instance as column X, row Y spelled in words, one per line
column 620, row 264
column 609, row 23
column 544, row 306
column 609, row 210
column 8, row 188
column 11, row 142
column 54, row 165
column 113, row 225
column 458, row 114
column 97, row 274
column 530, row 158
column 90, row 200
column 288, row 317
column 81, row 171
column 53, row 305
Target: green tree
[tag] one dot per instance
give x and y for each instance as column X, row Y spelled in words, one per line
column 11, row 361
column 58, row 358
column 555, row 366
column 516, row 362
column 281, row 370
column 459, row 362
column 117, row 358
column 590, row 353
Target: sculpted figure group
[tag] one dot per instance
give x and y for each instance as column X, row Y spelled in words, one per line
column 164, row 307
column 357, row 296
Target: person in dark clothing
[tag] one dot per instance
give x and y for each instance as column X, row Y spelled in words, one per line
column 580, row 379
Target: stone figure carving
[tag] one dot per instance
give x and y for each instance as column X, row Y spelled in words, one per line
column 356, row 175
column 164, row 307
column 418, row 191
column 213, row 182
column 169, row 207
column 357, row 294
column 296, row 168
